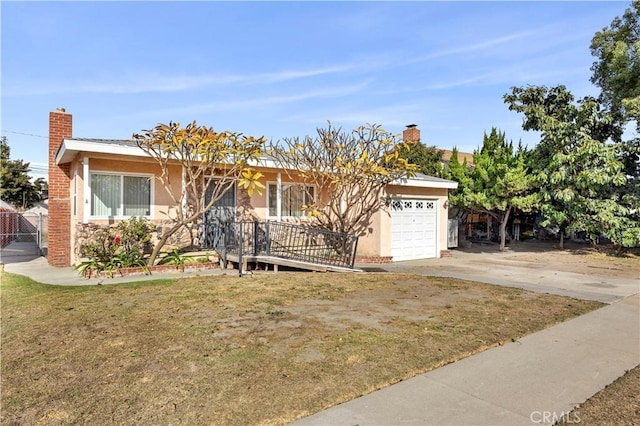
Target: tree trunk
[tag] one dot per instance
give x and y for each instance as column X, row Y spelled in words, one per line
column 503, row 229
column 163, row 240
column 561, row 239
column 488, row 227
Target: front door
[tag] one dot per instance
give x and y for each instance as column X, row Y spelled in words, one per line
column 220, row 216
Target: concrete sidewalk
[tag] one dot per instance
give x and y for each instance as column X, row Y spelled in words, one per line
column 39, row 270
column 532, row 381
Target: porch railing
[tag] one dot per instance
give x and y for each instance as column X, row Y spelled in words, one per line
column 284, row 240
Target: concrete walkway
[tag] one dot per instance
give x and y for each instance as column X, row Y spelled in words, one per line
column 532, row 381
column 39, row 270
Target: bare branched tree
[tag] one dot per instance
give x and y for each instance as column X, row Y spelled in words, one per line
column 201, row 152
column 349, row 170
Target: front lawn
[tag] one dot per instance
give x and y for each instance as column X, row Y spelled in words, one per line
column 265, row 349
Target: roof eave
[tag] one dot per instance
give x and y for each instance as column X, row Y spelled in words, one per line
column 70, row 148
column 418, row 183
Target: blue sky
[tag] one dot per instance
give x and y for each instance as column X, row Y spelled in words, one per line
column 281, row 69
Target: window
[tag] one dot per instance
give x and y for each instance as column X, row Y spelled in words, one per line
column 120, row 195
column 293, row 198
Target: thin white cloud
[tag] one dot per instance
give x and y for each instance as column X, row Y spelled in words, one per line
column 141, row 82
column 486, row 44
column 556, row 36
column 249, row 104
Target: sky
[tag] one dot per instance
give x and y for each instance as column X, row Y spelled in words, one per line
column 283, row 69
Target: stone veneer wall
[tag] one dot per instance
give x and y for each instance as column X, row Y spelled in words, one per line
column 190, row 237
column 183, row 238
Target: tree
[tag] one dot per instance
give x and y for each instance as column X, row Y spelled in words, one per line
column 498, row 182
column 617, row 72
column 16, row 187
column 349, row 170
column 40, row 186
column 581, row 167
column 428, row 159
column 617, row 69
column 201, row 151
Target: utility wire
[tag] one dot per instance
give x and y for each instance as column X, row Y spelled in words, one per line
column 25, row 134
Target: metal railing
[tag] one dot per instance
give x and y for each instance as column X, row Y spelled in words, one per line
column 284, row 240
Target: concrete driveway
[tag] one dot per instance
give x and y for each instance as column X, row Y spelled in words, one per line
column 535, row 266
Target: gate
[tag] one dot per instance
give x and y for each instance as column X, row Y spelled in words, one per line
column 22, row 234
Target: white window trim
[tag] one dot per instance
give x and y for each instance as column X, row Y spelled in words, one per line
column 86, row 191
column 74, row 203
column 121, row 174
column 280, row 186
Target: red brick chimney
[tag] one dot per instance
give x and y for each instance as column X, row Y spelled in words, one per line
column 411, row 134
column 59, row 246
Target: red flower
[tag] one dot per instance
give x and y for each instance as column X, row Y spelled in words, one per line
column 116, row 240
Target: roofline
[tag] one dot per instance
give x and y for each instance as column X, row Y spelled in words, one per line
column 71, row 147
column 421, row 183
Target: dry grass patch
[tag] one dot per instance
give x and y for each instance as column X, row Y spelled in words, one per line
column 265, row 349
column 617, row 404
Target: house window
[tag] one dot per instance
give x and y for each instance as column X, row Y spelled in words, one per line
column 120, row 195
column 293, row 198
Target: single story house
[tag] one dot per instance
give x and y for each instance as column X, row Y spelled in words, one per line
column 8, row 223
column 98, row 181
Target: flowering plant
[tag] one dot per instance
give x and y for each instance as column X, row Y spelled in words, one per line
column 120, row 246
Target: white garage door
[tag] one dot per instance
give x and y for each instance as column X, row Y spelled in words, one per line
column 413, row 229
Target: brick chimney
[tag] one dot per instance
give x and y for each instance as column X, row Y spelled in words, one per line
column 59, row 247
column 411, row 134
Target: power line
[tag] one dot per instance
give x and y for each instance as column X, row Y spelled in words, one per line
column 30, row 167
column 25, row 134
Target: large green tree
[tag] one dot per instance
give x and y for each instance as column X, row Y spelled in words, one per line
column 581, row 167
column 499, row 181
column 617, row 72
column 428, row 159
column 617, row 68
column 16, row 187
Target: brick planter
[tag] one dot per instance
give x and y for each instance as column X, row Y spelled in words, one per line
column 125, row 272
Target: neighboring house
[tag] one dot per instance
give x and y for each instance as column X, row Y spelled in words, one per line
column 446, row 157
column 41, row 207
column 6, row 207
column 97, row 182
column 8, row 221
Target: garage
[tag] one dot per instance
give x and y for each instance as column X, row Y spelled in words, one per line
column 413, row 228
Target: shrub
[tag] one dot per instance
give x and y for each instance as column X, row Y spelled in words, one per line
column 117, row 247
column 175, row 258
